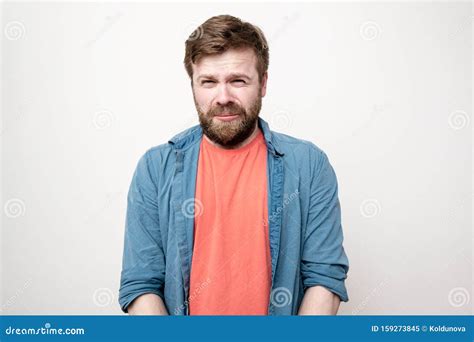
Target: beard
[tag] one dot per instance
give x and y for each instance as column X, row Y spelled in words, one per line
column 230, row 134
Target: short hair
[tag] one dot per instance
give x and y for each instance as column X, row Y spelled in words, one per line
column 221, row 33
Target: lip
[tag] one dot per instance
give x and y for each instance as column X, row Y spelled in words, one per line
column 226, row 114
column 227, row 117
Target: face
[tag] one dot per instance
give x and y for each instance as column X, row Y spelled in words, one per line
column 228, row 95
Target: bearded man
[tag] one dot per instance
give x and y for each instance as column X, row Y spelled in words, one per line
column 229, row 217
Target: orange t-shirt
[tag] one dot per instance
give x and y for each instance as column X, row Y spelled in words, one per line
column 231, row 264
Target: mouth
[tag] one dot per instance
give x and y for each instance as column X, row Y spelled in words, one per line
column 227, row 117
column 225, row 114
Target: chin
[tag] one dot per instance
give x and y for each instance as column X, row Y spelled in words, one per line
column 221, row 122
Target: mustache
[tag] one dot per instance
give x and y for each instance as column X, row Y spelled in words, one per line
column 232, row 109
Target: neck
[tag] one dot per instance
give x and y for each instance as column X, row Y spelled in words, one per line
column 242, row 144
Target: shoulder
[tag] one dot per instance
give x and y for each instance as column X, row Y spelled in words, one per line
column 298, row 148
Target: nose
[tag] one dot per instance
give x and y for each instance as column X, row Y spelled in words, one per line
column 223, row 95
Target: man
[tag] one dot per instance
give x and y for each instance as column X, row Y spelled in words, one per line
column 228, row 217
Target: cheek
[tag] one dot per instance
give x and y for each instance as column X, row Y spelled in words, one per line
column 203, row 98
column 248, row 98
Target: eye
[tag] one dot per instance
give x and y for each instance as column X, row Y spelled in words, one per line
column 239, row 81
column 207, row 81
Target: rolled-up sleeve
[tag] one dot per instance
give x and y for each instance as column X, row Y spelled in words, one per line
column 324, row 261
column 143, row 264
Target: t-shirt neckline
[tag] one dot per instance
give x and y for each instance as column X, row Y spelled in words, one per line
column 258, row 137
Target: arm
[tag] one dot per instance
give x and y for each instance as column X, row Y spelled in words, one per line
column 324, row 264
column 318, row 300
column 143, row 264
column 148, row 304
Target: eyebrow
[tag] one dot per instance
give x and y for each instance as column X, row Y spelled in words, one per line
column 233, row 75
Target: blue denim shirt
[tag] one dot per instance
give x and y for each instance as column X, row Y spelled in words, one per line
column 304, row 223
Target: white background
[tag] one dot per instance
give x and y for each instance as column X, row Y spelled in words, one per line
column 383, row 88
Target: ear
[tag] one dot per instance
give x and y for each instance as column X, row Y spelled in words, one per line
column 264, row 84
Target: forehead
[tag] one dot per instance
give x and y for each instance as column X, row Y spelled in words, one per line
column 231, row 61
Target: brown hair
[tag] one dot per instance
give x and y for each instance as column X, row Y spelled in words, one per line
column 221, row 33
